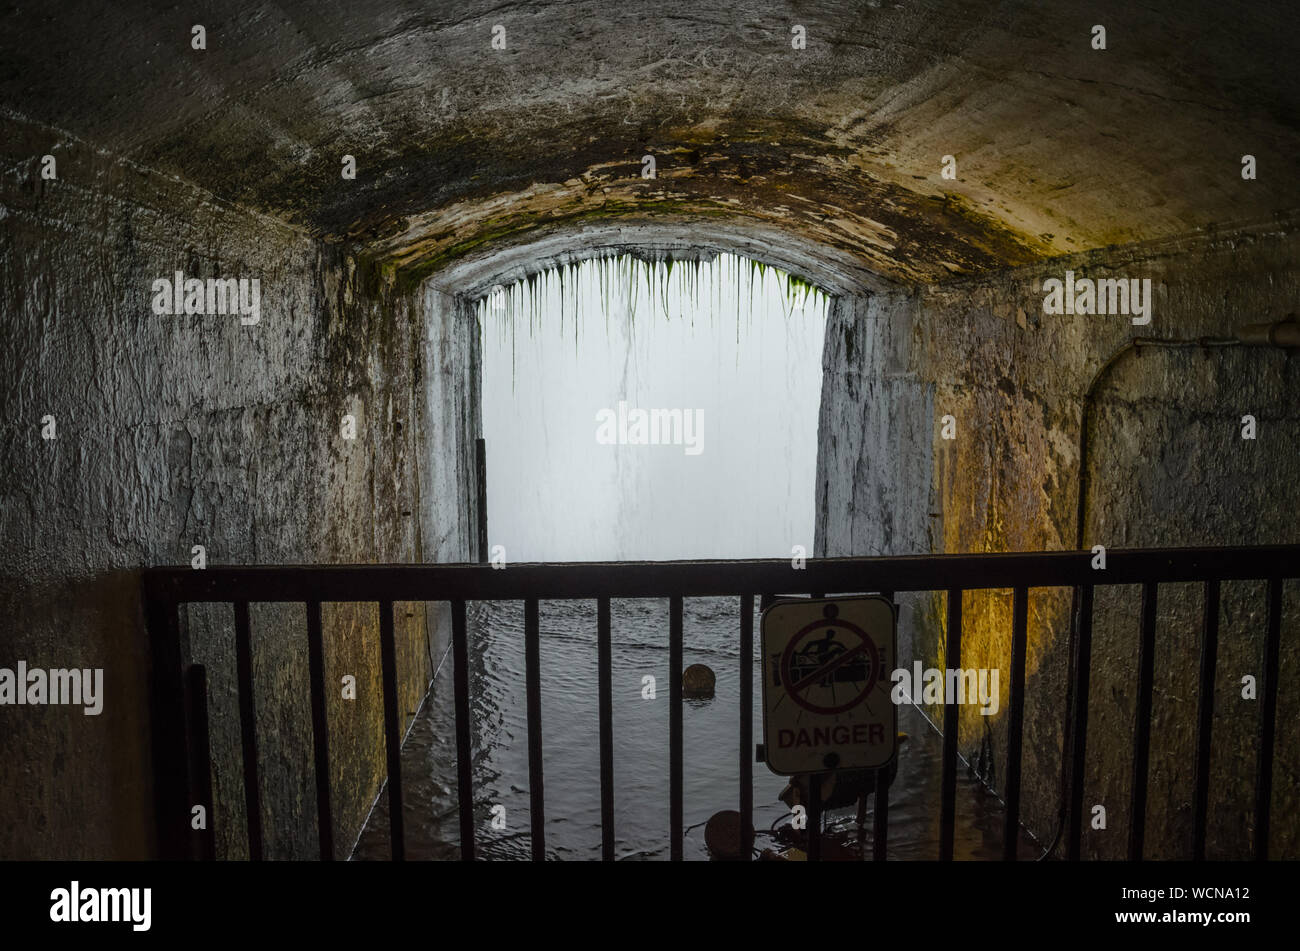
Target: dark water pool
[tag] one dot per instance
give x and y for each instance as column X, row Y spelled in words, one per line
column 571, row 755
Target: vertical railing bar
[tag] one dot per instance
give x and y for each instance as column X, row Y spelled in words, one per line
column 248, row 729
column 675, row 725
column 1016, row 721
column 533, row 676
column 201, row 757
column 1079, row 735
column 392, row 731
column 320, row 731
column 1267, row 718
column 950, row 726
column 170, row 751
column 1142, row 722
column 815, row 793
column 606, row 731
column 880, row 817
column 1067, row 728
column 464, row 766
column 1205, row 718
column 746, row 724
column 480, row 498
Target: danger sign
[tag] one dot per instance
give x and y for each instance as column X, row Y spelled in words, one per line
column 826, row 684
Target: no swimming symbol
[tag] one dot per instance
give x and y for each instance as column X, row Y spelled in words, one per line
column 812, row 667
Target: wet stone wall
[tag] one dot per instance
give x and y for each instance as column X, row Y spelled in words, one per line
column 132, row 436
column 950, row 423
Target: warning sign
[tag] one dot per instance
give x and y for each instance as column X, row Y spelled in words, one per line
column 826, row 684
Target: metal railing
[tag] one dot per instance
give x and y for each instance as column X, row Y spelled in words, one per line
column 180, row 717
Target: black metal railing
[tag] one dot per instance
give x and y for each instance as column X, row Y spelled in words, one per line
column 180, row 717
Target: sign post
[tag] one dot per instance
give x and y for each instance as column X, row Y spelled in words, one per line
column 826, row 684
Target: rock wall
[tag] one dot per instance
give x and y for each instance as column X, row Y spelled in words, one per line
column 1167, row 466
column 174, row 431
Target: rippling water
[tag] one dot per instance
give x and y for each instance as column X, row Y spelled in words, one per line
column 571, row 755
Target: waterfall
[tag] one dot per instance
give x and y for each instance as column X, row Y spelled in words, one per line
column 726, row 350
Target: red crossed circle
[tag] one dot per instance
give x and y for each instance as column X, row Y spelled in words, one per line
column 868, row 647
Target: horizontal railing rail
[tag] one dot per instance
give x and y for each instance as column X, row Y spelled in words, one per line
column 662, row 579
column 180, row 715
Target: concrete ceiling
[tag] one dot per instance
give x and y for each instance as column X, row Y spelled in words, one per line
column 1059, row 147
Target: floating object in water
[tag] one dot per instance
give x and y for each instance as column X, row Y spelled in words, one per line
column 722, row 836
column 698, row 682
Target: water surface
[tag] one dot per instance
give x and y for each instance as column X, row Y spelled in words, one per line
column 571, row 751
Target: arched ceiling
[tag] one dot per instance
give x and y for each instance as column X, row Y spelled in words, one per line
column 1059, row 147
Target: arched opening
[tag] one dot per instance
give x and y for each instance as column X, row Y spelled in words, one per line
column 452, row 359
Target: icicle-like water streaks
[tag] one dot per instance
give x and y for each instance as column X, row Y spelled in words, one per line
column 625, row 285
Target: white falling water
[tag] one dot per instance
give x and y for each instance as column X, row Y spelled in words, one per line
column 734, row 345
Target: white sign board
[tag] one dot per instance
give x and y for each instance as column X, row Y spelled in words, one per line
column 826, row 684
